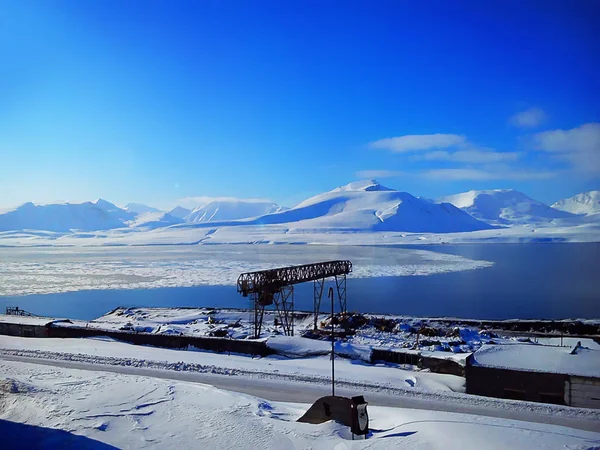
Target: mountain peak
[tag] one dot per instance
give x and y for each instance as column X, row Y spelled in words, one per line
column 180, row 212
column 27, row 205
column 586, row 203
column 103, row 203
column 140, row 208
column 504, row 207
column 362, row 185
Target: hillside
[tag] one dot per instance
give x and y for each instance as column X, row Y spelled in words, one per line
column 180, row 212
column 587, row 203
column 369, row 206
column 231, row 209
column 505, row 207
column 139, row 208
column 88, row 216
column 152, row 220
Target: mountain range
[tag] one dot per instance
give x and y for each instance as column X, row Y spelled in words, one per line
column 360, row 206
column 505, row 207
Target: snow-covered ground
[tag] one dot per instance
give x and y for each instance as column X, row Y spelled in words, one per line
column 51, row 270
column 313, row 370
column 50, row 407
column 291, row 234
column 445, row 337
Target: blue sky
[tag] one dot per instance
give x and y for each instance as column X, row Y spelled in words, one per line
column 155, row 101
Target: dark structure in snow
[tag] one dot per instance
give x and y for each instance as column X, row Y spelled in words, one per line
column 276, row 287
column 351, row 412
column 536, row 373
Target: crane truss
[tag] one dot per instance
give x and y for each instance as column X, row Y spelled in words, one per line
column 276, row 287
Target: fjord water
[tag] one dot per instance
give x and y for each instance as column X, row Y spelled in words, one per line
column 543, row 281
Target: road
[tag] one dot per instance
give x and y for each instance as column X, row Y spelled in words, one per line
column 290, row 391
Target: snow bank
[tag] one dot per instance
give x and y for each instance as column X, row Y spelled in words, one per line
column 128, row 411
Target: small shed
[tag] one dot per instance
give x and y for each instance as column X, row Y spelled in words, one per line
column 537, row 373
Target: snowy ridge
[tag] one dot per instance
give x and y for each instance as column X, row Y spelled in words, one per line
column 180, row 212
column 587, row 203
column 151, row 220
column 369, row 206
column 505, row 207
column 89, row 216
column 231, row 209
column 139, row 208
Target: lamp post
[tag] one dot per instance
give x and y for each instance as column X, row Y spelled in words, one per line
column 330, row 295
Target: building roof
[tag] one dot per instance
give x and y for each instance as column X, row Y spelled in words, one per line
column 584, row 362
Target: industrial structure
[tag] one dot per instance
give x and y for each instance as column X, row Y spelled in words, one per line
column 276, row 287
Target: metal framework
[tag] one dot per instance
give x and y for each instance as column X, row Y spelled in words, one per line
column 276, row 287
column 16, row 311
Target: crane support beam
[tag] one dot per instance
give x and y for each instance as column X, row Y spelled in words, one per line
column 275, row 287
column 273, row 280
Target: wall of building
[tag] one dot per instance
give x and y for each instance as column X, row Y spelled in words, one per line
column 514, row 384
column 583, row 392
column 22, row 330
column 220, row 345
column 438, row 365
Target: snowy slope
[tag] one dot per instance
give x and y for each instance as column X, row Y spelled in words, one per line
column 52, row 407
column 113, row 210
column 88, row 216
column 152, row 220
column 140, row 208
column 585, row 203
column 505, row 207
column 231, row 209
column 369, row 206
column 180, row 212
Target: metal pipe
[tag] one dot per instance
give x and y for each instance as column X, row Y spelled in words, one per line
column 330, row 295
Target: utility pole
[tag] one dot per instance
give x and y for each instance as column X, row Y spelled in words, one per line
column 330, row 295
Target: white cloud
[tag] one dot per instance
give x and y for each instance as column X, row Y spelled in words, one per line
column 529, row 118
column 476, row 156
column 418, row 142
column 379, row 173
column 480, row 175
column 580, row 146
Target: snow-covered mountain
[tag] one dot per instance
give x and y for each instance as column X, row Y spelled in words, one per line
column 152, row 220
column 362, row 206
column 369, row 206
column 180, row 212
column 231, row 209
column 587, row 203
column 88, row 216
column 505, row 207
column 140, row 208
column 112, row 209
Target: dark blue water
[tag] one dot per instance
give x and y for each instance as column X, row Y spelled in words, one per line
column 550, row 281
